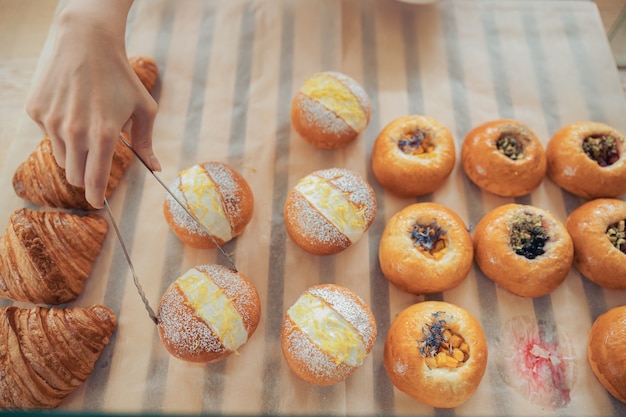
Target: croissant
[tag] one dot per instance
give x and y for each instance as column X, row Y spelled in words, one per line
column 42, row 181
column 46, row 353
column 45, row 257
column 146, row 69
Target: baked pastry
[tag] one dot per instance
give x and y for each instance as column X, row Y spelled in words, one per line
column 208, row 313
column 329, row 210
column 146, row 69
column 598, row 231
column 436, row 353
column 327, row 334
column 425, row 248
column 330, row 110
column 587, row 159
column 413, row 156
column 46, row 257
column 41, row 181
column 47, row 353
column 504, row 157
column 605, row 351
column 218, row 196
column 524, row 249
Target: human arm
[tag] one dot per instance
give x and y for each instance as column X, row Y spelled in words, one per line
column 88, row 93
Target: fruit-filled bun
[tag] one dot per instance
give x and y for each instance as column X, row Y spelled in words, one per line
column 504, row 157
column 524, row 249
column 587, row 159
column 330, row 110
column 598, row 230
column 436, row 353
column 208, row 313
column 413, row 155
column 329, row 210
column 327, row 334
column 425, row 248
column 218, row 196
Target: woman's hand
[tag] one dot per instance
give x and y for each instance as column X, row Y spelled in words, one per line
column 88, row 93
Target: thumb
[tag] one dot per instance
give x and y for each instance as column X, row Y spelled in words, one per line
column 141, row 137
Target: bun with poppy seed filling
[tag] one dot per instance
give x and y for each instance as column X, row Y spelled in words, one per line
column 587, row 159
column 425, row 248
column 413, row 156
column 436, row 353
column 524, row 249
column 218, row 196
column 330, row 110
column 327, row 334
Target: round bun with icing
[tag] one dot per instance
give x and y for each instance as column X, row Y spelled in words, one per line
column 436, row 353
column 330, row 110
column 218, row 196
column 606, row 353
column 208, row 313
column 413, row 156
column 425, row 248
column 329, row 210
column 598, row 230
column 524, row 249
column 327, row 334
column 587, row 159
column 504, row 157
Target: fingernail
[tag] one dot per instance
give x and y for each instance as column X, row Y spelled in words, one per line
column 154, row 163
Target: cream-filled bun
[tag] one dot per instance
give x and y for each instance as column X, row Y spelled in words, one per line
column 208, row 313
column 218, row 196
column 329, row 210
column 436, row 353
column 327, row 334
column 330, row 110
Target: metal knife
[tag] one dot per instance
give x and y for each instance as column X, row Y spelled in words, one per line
column 181, row 204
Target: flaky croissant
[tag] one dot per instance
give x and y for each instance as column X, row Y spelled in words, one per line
column 46, row 257
column 46, row 353
column 42, row 181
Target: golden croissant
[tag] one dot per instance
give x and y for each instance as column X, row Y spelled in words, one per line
column 46, row 353
column 42, row 181
column 46, row 257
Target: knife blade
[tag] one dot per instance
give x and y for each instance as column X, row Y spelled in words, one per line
column 142, row 294
column 181, row 204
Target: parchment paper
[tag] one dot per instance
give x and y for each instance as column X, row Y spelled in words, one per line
column 229, row 70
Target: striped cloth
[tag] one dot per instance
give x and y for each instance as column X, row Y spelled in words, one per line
column 229, row 70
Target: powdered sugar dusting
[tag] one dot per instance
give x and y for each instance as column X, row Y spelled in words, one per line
column 240, row 291
column 182, row 329
column 303, row 350
column 316, row 114
column 223, row 177
column 350, row 309
column 356, row 189
column 313, row 226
